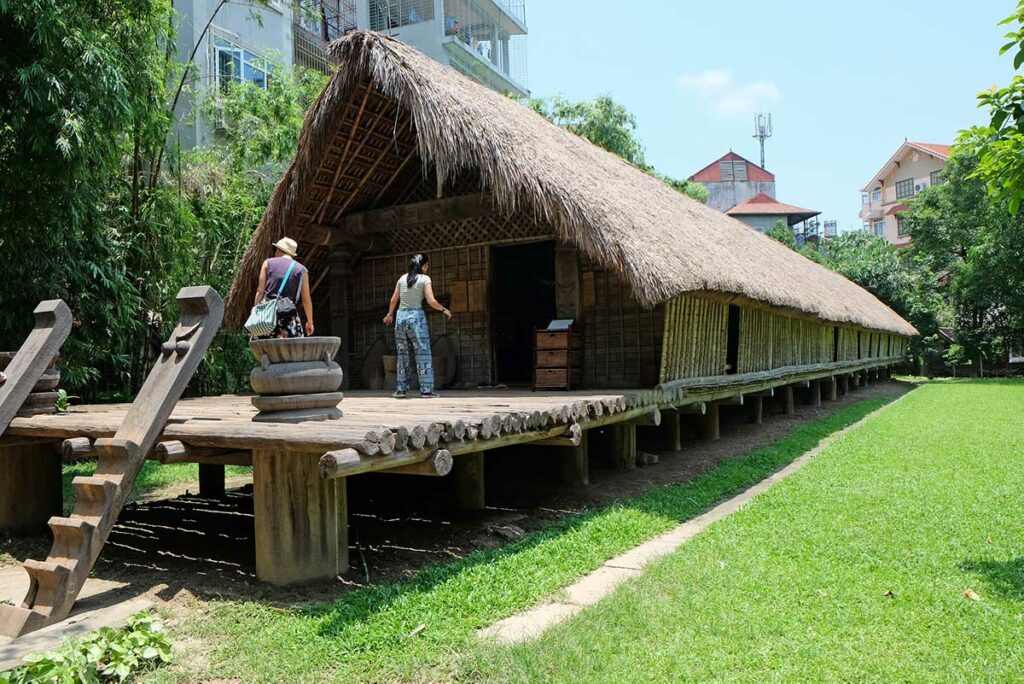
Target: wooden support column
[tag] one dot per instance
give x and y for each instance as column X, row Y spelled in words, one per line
column 789, row 407
column 30, row 487
column 844, row 384
column 710, row 425
column 757, row 414
column 341, row 275
column 211, row 480
column 568, row 303
column 301, row 519
column 575, row 463
column 832, row 388
column 623, row 445
column 670, row 427
column 814, row 393
column 469, row 481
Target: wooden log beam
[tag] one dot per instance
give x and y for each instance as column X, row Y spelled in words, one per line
column 438, row 464
column 572, row 437
column 697, row 409
column 651, row 418
column 403, row 216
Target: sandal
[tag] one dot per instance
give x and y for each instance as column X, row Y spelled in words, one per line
column 398, row 395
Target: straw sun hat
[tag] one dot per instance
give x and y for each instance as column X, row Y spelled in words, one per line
column 287, row 245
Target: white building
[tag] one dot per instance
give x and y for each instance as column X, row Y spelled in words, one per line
column 483, row 39
column 914, row 167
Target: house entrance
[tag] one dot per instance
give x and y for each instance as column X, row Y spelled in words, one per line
column 523, row 287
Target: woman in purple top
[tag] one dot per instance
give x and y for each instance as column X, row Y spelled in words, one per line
column 275, row 271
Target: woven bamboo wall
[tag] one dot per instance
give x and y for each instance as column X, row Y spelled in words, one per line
column 695, row 338
column 469, row 332
column 621, row 340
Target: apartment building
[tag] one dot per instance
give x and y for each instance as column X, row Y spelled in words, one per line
column 914, row 167
column 483, row 39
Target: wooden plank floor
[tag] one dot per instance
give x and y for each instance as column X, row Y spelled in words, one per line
column 226, row 421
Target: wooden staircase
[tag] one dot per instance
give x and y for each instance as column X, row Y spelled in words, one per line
column 53, row 324
column 78, row 539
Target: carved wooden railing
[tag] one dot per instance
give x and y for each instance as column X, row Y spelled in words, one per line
column 53, row 324
column 78, row 539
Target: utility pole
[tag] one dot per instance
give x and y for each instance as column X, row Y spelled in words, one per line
column 762, row 131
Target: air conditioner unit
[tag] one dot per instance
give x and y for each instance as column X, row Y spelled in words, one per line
column 920, row 186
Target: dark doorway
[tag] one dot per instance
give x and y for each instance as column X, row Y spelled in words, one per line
column 732, row 347
column 523, row 287
column 835, row 343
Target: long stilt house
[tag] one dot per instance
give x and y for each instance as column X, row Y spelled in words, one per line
column 526, row 222
column 680, row 309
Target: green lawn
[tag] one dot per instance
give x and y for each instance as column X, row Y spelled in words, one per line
column 152, row 477
column 375, row 634
column 853, row 569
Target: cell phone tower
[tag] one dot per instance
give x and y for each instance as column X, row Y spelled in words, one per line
column 762, row 131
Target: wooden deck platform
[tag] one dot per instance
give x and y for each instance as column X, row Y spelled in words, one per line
column 300, row 471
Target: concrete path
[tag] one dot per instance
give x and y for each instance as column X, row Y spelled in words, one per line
column 603, row 581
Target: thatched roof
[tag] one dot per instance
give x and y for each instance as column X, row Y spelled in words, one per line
column 660, row 242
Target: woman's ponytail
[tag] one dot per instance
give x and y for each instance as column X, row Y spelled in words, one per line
column 416, row 268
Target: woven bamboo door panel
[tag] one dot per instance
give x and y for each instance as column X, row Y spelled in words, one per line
column 695, row 338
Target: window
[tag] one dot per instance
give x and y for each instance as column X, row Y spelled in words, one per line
column 237, row 65
column 900, row 228
column 878, row 227
column 390, row 14
column 937, row 178
column 863, row 198
column 867, row 226
column 876, row 195
column 733, row 170
column 905, row 188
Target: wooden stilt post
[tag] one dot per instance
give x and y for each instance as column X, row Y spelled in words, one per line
column 301, row 519
column 710, row 426
column 575, row 463
column 789, row 407
column 469, row 481
column 832, row 388
column 814, row 393
column 844, row 384
column 671, row 431
column 30, row 487
column 624, row 445
column 211, row 480
column 757, row 416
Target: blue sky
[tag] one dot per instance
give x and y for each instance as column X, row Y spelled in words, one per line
column 845, row 82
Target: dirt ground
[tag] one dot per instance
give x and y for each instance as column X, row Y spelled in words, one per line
column 186, row 548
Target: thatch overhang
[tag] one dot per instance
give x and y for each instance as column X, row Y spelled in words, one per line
column 415, row 117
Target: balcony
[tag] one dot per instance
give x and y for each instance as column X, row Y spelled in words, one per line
column 486, row 40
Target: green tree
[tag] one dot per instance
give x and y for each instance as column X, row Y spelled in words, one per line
column 999, row 145
column 783, row 233
column 81, row 83
column 608, row 124
column 977, row 244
